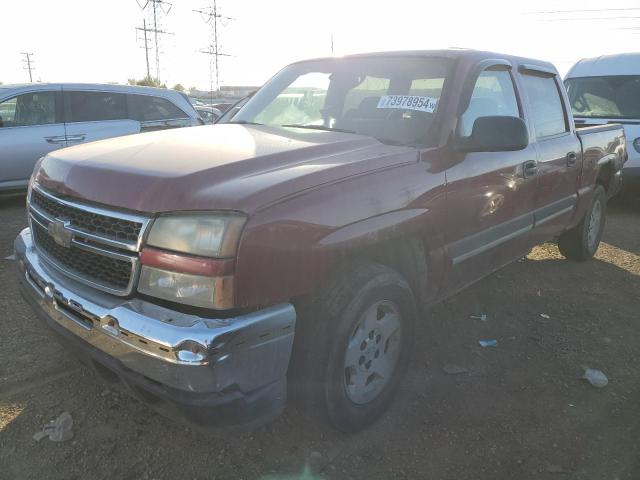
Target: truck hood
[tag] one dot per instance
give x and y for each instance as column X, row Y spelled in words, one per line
column 237, row 167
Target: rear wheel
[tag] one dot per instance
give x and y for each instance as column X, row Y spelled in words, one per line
column 357, row 346
column 582, row 241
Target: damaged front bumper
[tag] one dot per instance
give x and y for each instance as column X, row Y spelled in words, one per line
column 212, row 372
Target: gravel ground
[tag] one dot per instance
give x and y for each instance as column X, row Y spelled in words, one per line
column 520, row 411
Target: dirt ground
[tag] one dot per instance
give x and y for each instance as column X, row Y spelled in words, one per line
column 520, row 412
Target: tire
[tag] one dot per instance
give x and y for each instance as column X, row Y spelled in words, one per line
column 582, row 241
column 343, row 361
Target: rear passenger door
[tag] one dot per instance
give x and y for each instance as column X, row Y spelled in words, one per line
column 30, row 127
column 559, row 152
column 489, row 198
column 156, row 113
column 94, row 115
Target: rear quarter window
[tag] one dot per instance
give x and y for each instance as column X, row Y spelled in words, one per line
column 95, row 106
column 545, row 104
column 147, row 108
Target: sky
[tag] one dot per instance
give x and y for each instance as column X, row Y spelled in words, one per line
column 96, row 41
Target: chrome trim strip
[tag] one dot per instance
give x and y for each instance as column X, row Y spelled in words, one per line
column 101, row 251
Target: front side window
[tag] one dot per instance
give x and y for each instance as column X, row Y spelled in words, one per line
column 146, row 108
column 96, row 106
column 38, row 108
column 394, row 99
column 493, row 95
column 545, row 104
column 605, row 97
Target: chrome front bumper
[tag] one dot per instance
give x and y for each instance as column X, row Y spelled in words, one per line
column 181, row 351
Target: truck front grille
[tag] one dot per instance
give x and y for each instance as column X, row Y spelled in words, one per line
column 92, row 245
column 110, row 272
column 106, row 226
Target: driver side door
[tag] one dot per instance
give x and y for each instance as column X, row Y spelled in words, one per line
column 490, row 198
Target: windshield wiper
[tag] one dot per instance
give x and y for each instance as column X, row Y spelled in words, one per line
column 318, row 127
column 244, row 122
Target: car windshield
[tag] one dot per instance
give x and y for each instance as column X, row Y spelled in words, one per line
column 605, row 97
column 394, row 99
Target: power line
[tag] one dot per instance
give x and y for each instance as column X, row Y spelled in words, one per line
column 584, row 10
column 212, row 17
column 578, row 19
column 29, row 63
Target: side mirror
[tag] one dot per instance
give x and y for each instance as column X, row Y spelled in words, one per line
column 496, row 134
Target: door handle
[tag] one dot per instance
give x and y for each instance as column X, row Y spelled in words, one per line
column 76, row 138
column 56, row 139
column 572, row 158
column 529, row 168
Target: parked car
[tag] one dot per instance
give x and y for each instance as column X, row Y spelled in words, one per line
column 605, row 90
column 304, row 240
column 38, row 118
column 234, row 108
column 208, row 114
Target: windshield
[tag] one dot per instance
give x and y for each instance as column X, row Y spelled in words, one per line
column 605, row 97
column 394, row 99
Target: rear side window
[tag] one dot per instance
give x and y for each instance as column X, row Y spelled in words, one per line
column 96, row 106
column 37, row 108
column 493, row 94
column 147, row 107
column 547, row 113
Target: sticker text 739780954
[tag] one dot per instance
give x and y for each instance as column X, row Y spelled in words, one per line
column 409, row 102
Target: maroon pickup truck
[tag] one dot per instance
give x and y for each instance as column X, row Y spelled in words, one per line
column 202, row 268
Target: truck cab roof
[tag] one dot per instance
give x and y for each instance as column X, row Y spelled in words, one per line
column 464, row 54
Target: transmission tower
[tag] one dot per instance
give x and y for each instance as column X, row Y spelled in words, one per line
column 212, row 17
column 156, row 9
column 29, row 64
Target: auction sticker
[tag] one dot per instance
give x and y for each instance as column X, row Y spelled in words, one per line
column 409, row 102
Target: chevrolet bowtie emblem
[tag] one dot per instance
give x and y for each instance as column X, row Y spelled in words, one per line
column 59, row 232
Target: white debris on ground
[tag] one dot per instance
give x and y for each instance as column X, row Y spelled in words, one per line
column 58, row 430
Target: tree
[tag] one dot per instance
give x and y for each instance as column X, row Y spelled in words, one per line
column 146, row 82
column 178, row 87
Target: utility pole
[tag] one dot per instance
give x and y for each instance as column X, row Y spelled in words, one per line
column 29, row 62
column 331, row 43
column 158, row 7
column 212, row 17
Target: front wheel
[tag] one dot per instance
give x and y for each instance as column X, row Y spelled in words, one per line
column 581, row 242
column 361, row 344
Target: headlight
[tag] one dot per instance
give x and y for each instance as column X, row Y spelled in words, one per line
column 203, row 234
column 190, row 259
column 195, row 290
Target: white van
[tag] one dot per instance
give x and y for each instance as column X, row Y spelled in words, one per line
column 604, row 90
